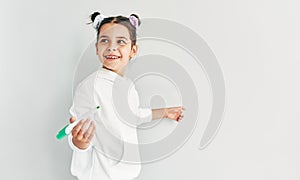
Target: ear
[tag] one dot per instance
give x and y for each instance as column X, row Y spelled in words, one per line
column 133, row 52
column 96, row 48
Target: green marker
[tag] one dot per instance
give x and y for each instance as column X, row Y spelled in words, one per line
column 69, row 127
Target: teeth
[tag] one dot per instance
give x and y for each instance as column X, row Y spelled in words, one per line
column 111, row 57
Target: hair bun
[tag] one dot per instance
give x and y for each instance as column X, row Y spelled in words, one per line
column 96, row 19
column 93, row 16
column 137, row 17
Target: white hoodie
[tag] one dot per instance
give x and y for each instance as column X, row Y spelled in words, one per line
column 113, row 137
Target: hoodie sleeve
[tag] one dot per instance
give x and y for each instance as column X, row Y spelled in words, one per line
column 81, row 164
column 82, row 160
column 144, row 113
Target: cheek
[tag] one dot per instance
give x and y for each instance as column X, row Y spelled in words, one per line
column 100, row 54
column 126, row 55
column 100, row 50
column 128, row 51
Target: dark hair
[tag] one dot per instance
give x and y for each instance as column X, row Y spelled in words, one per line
column 118, row 20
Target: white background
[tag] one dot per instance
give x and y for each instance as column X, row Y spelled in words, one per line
column 256, row 43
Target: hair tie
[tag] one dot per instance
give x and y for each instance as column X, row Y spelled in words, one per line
column 97, row 21
column 134, row 21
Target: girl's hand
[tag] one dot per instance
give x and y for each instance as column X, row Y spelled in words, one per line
column 82, row 136
column 174, row 113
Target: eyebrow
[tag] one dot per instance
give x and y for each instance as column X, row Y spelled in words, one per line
column 103, row 36
column 120, row 37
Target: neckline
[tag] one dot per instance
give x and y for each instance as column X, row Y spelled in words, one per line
column 108, row 74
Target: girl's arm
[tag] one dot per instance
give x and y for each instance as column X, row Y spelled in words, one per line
column 174, row 113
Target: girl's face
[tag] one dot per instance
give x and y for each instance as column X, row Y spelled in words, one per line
column 114, row 48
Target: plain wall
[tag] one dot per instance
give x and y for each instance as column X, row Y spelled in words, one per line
column 256, row 43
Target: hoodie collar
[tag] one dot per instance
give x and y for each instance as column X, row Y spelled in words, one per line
column 108, row 74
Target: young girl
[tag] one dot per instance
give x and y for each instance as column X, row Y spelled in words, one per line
column 115, row 47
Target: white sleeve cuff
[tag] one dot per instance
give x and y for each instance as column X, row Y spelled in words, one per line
column 145, row 115
column 74, row 148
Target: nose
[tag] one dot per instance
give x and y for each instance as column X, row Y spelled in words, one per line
column 112, row 47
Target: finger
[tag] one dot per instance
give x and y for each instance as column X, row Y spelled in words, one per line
column 83, row 129
column 174, row 116
column 180, row 108
column 72, row 119
column 175, row 111
column 86, row 125
column 181, row 113
column 172, row 109
column 88, row 132
column 92, row 133
column 177, row 117
column 77, row 128
column 180, row 118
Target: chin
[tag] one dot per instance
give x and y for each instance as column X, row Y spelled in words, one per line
column 110, row 66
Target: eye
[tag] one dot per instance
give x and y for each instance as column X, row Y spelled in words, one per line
column 122, row 42
column 103, row 40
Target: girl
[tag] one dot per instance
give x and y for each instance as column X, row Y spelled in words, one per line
column 115, row 47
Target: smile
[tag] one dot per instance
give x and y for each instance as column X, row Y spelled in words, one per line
column 111, row 57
